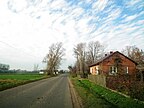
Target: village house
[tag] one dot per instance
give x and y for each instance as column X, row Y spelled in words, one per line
column 112, row 64
column 118, row 72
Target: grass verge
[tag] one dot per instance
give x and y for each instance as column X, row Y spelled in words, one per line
column 13, row 80
column 95, row 96
column 90, row 100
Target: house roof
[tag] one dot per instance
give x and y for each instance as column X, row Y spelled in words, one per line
column 108, row 56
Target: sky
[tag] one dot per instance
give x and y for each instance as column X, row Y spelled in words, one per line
column 29, row 27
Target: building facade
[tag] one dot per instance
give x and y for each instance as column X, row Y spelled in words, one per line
column 112, row 64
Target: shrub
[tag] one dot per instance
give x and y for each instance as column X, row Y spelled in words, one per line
column 137, row 90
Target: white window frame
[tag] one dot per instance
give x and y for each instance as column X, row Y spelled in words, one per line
column 91, row 70
column 127, row 69
column 113, row 70
column 97, row 70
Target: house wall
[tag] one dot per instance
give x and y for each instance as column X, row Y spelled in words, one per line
column 104, row 66
column 122, row 82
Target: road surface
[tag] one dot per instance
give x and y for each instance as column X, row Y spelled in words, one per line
column 48, row 93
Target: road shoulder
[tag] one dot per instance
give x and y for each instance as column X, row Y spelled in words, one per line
column 76, row 100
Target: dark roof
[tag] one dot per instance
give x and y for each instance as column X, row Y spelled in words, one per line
column 111, row 54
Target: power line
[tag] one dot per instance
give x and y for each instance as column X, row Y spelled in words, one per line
column 11, row 46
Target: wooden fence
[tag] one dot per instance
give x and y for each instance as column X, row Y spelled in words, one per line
column 98, row 79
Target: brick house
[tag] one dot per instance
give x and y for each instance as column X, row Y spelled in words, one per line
column 112, row 64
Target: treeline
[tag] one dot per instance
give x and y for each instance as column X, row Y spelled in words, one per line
column 4, row 66
column 83, row 58
column 85, row 55
column 18, row 72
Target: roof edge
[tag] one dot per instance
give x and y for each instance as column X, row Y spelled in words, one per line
column 110, row 56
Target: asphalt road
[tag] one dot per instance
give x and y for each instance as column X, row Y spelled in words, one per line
column 48, row 93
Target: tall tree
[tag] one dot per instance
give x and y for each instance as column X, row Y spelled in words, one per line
column 95, row 52
column 135, row 54
column 54, row 57
column 80, row 52
column 72, row 70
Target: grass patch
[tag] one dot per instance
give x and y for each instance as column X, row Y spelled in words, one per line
column 89, row 99
column 113, row 98
column 13, row 80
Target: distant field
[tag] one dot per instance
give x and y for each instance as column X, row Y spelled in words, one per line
column 12, row 80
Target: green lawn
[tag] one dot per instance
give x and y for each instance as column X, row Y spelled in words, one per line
column 95, row 96
column 12, row 80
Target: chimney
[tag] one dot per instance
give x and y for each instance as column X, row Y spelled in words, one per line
column 111, row 52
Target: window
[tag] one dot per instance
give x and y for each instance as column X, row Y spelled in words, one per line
column 127, row 69
column 91, row 70
column 113, row 70
column 97, row 70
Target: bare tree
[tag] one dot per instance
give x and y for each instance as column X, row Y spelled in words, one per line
column 135, row 54
column 80, row 53
column 87, row 55
column 72, row 70
column 95, row 52
column 54, row 57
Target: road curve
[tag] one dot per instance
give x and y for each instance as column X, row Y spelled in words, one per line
column 48, row 93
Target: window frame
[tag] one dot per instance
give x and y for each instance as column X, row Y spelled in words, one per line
column 112, row 70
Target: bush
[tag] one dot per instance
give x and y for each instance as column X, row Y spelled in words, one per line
column 137, row 90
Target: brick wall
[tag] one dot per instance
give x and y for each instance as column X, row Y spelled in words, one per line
column 104, row 66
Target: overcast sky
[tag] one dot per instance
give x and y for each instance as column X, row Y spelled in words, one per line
column 29, row 27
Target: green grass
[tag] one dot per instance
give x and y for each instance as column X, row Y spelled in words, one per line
column 111, row 98
column 90, row 100
column 12, row 80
